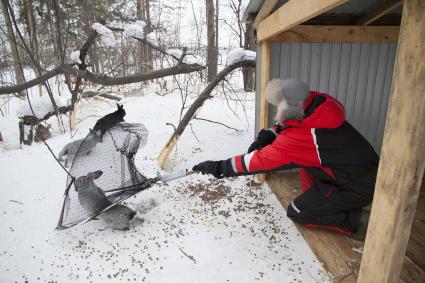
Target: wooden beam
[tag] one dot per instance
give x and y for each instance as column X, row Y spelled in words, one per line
column 379, row 12
column 402, row 163
column 322, row 34
column 264, row 105
column 265, row 10
column 293, row 13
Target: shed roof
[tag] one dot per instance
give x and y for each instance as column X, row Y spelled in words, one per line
column 344, row 14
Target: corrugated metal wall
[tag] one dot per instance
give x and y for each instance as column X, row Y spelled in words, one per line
column 358, row 74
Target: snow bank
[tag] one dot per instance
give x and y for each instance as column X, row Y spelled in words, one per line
column 107, row 38
column 135, row 29
column 41, row 105
column 238, row 54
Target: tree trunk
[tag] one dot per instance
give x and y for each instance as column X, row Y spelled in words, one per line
column 249, row 44
column 32, row 35
column 211, row 48
column 216, row 26
column 19, row 76
column 144, row 52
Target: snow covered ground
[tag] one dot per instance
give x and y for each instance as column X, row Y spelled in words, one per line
column 196, row 229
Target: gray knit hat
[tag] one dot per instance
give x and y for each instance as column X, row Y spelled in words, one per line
column 288, row 96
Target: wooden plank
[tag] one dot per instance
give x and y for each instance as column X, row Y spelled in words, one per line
column 332, row 34
column 335, row 251
column 402, row 161
column 265, row 10
column 291, row 14
column 379, row 12
column 265, row 77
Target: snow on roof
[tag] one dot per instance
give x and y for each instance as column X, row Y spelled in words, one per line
column 135, row 29
column 238, row 54
column 107, row 38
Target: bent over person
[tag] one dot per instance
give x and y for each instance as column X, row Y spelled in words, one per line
column 337, row 165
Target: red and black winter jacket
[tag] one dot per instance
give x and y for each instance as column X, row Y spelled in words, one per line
column 332, row 153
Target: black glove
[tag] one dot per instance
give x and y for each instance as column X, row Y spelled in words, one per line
column 209, row 167
column 265, row 137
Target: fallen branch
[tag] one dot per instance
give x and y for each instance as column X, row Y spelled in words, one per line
column 205, row 94
column 88, row 94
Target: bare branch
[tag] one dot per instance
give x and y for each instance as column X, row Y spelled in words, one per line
column 31, row 83
column 215, row 122
column 205, row 94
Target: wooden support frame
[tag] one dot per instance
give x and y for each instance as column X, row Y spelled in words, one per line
column 264, row 105
column 265, row 10
column 379, row 12
column 291, row 14
column 402, row 161
column 337, row 34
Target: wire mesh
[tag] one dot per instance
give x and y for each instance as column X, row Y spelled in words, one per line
column 114, row 156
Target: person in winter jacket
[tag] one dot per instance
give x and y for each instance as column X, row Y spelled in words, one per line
column 337, row 165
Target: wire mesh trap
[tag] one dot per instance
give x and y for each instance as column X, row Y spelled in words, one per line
column 110, row 159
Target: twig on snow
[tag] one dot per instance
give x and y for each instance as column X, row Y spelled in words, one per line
column 12, row 200
column 188, row 256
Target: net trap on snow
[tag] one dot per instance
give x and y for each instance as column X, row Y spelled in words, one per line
column 103, row 174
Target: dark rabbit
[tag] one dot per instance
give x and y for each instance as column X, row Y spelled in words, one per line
column 81, row 146
column 110, row 120
column 94, row 200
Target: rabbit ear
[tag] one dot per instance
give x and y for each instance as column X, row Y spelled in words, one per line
column 95, row 174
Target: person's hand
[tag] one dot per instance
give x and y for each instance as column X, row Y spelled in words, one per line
column 265, row 137
column 209, row 167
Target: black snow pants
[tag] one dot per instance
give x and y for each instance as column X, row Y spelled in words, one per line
column 337, row 209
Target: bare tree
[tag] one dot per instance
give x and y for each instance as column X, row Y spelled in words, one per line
column 249, row 44
column 13, row 47
column 212, row 57
column 144, row 52
column 246, row 40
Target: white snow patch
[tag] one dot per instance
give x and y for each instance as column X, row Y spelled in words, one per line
column 107, row 38
column 135, row 29
column 175, row 52
column 41, row 106
column 238, row 54
column 75, row 57
column 151, row 37
column 188, row 58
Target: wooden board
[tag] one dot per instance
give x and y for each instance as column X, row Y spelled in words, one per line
column 402, row 160
column 265, row 10
column 338, row 34
column 335, row 251
column 264, row 78
column 292, row 13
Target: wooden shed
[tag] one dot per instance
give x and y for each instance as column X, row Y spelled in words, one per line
column 370, row 55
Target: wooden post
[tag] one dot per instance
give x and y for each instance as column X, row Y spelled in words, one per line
column 402, row 161
column 264, row 105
